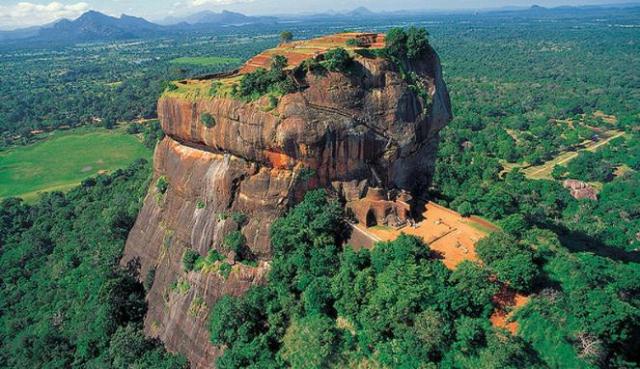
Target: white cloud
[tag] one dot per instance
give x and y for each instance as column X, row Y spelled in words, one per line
column 26, row 14
column 196, row 3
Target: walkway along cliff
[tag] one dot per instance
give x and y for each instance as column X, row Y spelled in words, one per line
column 231, row 166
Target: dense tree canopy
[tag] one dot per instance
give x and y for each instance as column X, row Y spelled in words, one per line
column 65, row 301
column 396, row 306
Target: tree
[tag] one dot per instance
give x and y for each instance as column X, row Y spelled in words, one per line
column 109, row 122
column 514, row 224
column 278, row 63
column 465, row 209
column 236, row 242
column 473, row 289
column 507, row 351
column 162, row 185
column 286, row 37
column 470, row 334
column 410, row 44
column 511, row 260
column 259, row 82
column 417, row 43
column 430, row 327
column 208, row 120
column 124, row 299
column 225, row 320
column 396, row 43
column 189, row 259
column 337, row 60
column 310, row 342
column 558, row 171
column 129, row 348
column 317, row 297
column 589, row 166
column 134, row 128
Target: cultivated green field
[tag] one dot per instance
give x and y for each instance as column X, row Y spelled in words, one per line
column 64, row 159
column 206, row 61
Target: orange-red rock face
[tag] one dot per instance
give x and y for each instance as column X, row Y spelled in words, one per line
column 366, row 128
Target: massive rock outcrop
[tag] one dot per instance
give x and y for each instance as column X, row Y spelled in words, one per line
column 252, row 160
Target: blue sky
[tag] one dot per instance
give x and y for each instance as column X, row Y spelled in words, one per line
column 24, row 13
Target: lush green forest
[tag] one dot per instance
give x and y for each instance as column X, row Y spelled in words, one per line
column 65, row 302
column 398, row 306
column 526, row 99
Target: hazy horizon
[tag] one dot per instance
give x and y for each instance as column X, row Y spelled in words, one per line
column 20, row 14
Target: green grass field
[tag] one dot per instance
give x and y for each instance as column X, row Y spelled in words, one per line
column 206, row 61
column 64, row 159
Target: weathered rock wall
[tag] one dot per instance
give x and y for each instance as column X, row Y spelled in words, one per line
column 365, row 128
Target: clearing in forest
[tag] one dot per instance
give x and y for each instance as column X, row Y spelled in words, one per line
column 507, row 302
column 602, row 135
column 64, row 159
column 544, row 171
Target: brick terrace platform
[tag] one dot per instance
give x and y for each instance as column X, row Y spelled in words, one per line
column 298, row 51
column 445, row 231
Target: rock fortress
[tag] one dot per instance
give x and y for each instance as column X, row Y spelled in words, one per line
column 229, row 164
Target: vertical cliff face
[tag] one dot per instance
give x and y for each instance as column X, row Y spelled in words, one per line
column 342, row 131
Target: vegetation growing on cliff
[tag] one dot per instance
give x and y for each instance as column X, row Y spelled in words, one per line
column 405, row 47
column 277, row 80
column 337, row 60
column 65, row 301
column 189, row 259
column 410, row 44
column 261, row 81
column 208, row 120
column 162, row 184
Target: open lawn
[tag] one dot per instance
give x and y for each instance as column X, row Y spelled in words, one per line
column 63, row 160
column 206, row 61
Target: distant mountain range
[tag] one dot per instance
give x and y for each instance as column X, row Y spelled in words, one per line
column 90, row 26
column 222, row 18
column 95, row 26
